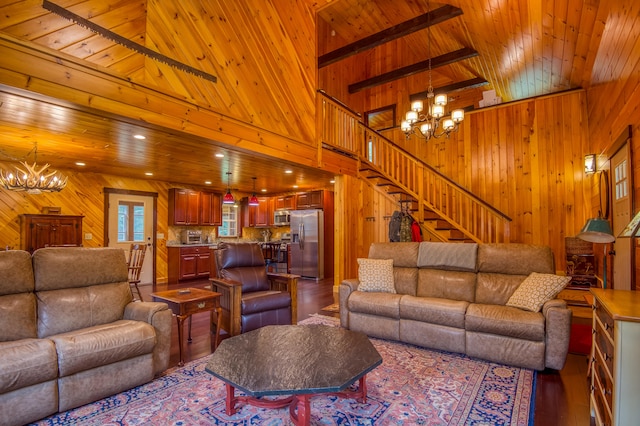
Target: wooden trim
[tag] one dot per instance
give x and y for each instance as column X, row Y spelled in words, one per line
column 154, row 225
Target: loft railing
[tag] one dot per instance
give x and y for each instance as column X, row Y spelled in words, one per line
column 342, row 129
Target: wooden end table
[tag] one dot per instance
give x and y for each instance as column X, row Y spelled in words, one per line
column 188, row 301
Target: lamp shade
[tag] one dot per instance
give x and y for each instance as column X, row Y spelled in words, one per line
column 228, row 198
column 597, row 230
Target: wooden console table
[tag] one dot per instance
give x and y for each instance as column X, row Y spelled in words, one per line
column 188, row 301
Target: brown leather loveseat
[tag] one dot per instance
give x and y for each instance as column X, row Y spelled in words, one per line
column 459, row 298
column 70, row 333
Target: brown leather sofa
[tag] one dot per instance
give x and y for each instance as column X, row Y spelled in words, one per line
column 251, row 297
column 70, row 333
column 453, row 296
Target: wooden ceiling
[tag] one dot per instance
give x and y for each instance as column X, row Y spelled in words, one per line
column 524, row 48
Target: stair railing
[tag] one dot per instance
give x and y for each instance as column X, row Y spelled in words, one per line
column 341, row 129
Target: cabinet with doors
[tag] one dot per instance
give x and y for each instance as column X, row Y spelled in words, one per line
column 260, row 215
column 285, row 202
column 189, row 207
column 187, row 263
column 43, row 230
column 210, row 209
column 614, row 368
column 184, row 206
column 310, row 200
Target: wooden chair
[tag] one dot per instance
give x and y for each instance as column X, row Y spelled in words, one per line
column 136, row 258
column 251, row 297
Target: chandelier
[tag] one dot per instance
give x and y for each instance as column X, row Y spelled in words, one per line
column 426, row 123
column 32, row 179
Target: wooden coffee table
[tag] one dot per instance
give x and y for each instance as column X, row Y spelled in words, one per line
column 188, row 301
column 296, row 360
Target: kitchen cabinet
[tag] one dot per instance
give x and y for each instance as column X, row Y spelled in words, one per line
column 310, row 200
column 189, row 207
column 187, row 263
column 615, row 371
column 285, row 202
column 184, row 206
column 260, row 215
column 41, row 230
column 210, row 209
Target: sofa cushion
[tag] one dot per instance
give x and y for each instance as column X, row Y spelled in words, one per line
column 403, row 254
column 65, row 310
column 380, row 304
column 75, row 267
column 537, row 289
column 17, row 317
column 376, row 275
column 262, row 301
column 17, row 272
column 434, row 310
column 505, row 321
column 496, row 289
column 27, row 362
column 455, row 285
column 448, row 256
column 103, row 344
column 515, row 259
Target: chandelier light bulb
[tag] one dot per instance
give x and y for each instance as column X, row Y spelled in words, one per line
column 411, row 117
column 405, row 126
column 440, row 100
column 437, row 111
column 448, row 125
column 425, row 129
column 457, row 115
column 417, row 106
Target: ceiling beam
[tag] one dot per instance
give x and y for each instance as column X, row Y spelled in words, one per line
column 453, row 87
column 438, row 61
column 405, row 28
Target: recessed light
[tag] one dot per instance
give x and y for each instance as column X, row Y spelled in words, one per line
column 149, row 174
column 219, row 155
column 80, row 163
column 207, row 182
column 288, row 171
column 295, row 186
column 332, row 181
column 139, row 137
column 264, row 190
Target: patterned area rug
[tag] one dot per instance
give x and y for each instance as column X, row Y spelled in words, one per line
column 413, row 386
column 334, row 307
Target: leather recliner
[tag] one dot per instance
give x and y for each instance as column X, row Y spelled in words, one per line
column 251, row 297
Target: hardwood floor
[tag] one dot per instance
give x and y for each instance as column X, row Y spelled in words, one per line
column 562, row 397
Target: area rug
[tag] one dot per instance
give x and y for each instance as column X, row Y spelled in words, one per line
column 413, row 386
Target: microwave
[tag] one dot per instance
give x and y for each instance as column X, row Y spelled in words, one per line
column 281, row 217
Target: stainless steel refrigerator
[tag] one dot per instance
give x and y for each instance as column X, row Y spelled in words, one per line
column 307, row 246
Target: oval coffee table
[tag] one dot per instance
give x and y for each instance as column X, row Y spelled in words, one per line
column 296, row 360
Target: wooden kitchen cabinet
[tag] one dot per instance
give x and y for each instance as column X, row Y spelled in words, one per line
column 184, row 207
column 310, row 200
column 615, row 371
column 188, row 263
column 260, row 215
column 210, row 209
column 285, row 202
column 41, row 230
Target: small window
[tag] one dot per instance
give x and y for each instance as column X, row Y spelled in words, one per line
column 229, row 226
column 130, row 221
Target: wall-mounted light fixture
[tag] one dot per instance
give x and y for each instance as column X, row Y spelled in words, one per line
column 590, row 164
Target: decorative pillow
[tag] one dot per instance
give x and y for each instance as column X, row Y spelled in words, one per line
column 537, row 289
column 376, row 275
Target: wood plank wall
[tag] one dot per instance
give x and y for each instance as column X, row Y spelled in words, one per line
column 84, row 195
column 614, row 101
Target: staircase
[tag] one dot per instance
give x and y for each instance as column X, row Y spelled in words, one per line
column 444, row 209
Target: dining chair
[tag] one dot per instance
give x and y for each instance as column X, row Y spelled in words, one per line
column 136, row 258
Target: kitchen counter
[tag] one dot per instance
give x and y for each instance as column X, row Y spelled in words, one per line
column 210, row 245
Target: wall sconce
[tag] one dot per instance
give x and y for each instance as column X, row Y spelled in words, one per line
column 590, row 164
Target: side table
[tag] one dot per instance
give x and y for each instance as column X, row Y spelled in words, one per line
column 188, row 301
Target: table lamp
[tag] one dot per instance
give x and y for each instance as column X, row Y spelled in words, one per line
column 598, row 230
